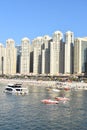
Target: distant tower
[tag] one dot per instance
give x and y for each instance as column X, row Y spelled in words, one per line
column 10, row 63
column 80, row 55
column 2, row 50
column 18, row 47
column 46, row 55
column 69, row 43
column 56, row 54
column 25, row 56
column 37, row 59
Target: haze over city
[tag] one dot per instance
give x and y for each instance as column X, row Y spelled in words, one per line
column 33, row 18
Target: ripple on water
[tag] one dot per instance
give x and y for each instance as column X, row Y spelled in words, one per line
column 27, row 112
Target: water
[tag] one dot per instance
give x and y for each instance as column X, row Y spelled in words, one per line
column 28, row 113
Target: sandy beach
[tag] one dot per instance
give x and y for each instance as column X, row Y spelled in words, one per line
column 53, row 84
column 28, row 82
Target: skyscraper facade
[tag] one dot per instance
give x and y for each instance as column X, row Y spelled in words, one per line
column 2, row 51
column 80, row 55
column 25, row 56
column 18, row 47
column 37, row 58
column 46, row 55
column 56, row 53
column 69, row 54
column 10, row 57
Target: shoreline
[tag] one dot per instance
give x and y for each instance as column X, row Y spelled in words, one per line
column 29, row 82
column 41, row 82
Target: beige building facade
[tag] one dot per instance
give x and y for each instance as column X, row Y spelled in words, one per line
column 10, row 57
column 69, row 53
column 37, row 58
column 25, row 56
column 56, row 54
column 80, row 55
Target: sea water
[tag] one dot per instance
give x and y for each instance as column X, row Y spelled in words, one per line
column 19, row 112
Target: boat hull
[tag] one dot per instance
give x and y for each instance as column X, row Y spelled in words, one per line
column 62, row 99
column 48, row 101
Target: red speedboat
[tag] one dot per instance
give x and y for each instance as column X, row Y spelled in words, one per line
column 49, row 101
column 62, row 99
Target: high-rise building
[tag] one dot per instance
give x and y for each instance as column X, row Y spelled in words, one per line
column 18, row 47
column 10, row 57
column 80, row 55
column 69, row 44
column 56, row 54
column 46, row 55
column 37, row 58
column 25, row 56
column 2, row 51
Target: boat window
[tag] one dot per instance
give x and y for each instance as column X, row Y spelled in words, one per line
column 10, row 86
column 9, row 89
column 17, row 86
column 18, row 89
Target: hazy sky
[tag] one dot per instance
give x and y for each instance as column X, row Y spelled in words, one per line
column 32, row 18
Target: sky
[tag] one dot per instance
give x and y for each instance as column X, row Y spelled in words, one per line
column 33, row 18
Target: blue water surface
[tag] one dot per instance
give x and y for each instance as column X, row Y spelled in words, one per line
column 19, row 112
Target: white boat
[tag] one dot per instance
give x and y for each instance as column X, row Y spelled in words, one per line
column 16, row 89
column 56, row 90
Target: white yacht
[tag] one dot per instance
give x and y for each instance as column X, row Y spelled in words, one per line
column 16, row 89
